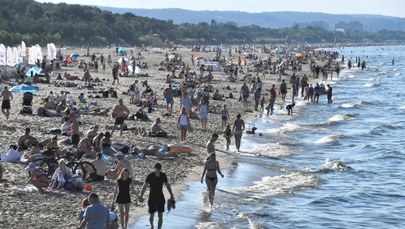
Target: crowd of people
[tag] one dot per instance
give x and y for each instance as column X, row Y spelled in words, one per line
column 195, row 95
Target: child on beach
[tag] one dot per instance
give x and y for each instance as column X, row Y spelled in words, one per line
column 228, row 135
column 290, row 108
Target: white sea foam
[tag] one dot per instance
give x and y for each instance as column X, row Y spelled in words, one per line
column 329, row 139
column 287, row 127
column 402, row 107
column 369, row 85
column 340, row 117
column 397, row 74
column 271, row 150
column 278, row 185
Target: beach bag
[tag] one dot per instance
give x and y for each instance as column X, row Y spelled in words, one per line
column 161, row 134
column 26, row 110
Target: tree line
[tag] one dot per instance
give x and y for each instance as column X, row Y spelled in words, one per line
column 41, row 23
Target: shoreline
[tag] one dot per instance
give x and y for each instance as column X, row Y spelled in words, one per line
column 180, row 170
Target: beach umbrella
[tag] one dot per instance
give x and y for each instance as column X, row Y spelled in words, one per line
column 121, row 49
column 34, row 70
column 24, row 88
column 74, row 56
column 21, row 65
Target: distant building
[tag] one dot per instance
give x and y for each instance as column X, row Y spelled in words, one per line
column 314, row 24
column 349, row 26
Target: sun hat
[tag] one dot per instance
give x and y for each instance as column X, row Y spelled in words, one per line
column 61, row 160
column 119, row 154
column 31, row 167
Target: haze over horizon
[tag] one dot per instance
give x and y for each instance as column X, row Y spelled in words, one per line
column 377, row 7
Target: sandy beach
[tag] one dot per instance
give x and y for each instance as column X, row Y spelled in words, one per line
column 24, row 207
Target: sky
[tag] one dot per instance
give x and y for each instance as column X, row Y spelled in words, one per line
column 381, row 7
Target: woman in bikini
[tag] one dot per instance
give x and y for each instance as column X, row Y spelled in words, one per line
column 37, row 177
column 210, row 172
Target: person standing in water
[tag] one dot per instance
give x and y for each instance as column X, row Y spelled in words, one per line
column 228, row 135
column 329, row 93
column 238, row 128
column 211, row 168
column 273, row 95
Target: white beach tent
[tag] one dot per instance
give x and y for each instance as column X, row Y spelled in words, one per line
column 23, row 49
column 10, row 56
column 15, row 56
column 31, row 56
column 3, row 54
column 38, row 52
column 138, row 70
column 51, row 51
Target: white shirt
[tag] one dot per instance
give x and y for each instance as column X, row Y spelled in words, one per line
column 64, row 128
column 11, row 156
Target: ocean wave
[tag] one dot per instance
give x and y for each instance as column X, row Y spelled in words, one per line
column 271, row 150
column 336, row 119
column 356, row 104
column 331, row 166
column 329, row 139
column 281, row 185
column 371, row 84
column 383, row 128
column 287, row 127
column 341, row 117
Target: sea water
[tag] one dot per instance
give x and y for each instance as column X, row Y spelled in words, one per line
column 338, row 165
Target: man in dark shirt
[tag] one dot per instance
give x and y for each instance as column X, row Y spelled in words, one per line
column 156, row 201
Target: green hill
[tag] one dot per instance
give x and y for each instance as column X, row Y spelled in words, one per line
column 41, row 23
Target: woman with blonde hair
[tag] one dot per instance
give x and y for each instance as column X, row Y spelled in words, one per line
column 123, row 199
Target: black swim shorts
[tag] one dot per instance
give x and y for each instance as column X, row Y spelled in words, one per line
column 5, row 105
column 75, row 139
column 119, row 121
column 156, row 206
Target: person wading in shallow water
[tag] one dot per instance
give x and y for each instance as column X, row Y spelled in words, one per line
column 238, row 128
column 211, row 168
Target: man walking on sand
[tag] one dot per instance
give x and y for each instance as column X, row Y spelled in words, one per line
column 96, row 215
column 5, row 105
column 156, row 201
column 120, row 112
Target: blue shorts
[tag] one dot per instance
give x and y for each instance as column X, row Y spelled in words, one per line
column 183, row 126
column 203, row 115
column 169, row 99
